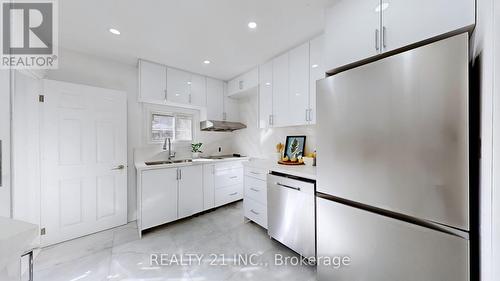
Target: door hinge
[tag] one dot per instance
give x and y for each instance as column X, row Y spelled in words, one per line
column 41, row 98
column 42, row 231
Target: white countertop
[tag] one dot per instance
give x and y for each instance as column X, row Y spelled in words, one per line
column 141, row 166
column 303, row 171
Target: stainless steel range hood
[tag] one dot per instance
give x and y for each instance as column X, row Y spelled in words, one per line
column 221, row 126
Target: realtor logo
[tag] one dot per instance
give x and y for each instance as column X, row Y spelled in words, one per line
column 29, row 34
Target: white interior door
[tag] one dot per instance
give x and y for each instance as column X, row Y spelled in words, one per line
column 84, row 157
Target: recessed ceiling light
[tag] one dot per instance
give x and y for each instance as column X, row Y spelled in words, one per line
column 252, row 25
column 314, row 66
column 206, row 62
column 114, row 31
column 268, row 84
column 189, row 83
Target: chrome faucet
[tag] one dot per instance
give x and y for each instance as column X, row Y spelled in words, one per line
column 170, row 153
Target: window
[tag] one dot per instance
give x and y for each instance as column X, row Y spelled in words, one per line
column 176, row 127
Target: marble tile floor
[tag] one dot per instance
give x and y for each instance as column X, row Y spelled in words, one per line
column 229, row 249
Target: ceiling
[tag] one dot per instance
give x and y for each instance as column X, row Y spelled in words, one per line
column 184, row 33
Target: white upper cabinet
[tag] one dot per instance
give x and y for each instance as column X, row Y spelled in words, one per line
column 178, row 86
column 190, row 190
column 265, row 94
column 152, row 82
column 244, row 83
column 316, row 72
column 280, row 91
column 231, row 107
column 198, row 92
column 299, row 86
column 411, row 21
column 359, row 30
column 352, row 32
column 215, row 99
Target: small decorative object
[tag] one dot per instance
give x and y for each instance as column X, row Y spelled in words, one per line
column 294, row 151
column 279, row 151
column 294, row 147
column 196, row 149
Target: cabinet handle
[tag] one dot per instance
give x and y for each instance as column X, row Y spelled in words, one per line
column 256, row 213
column 233, row 177
column 255, row 173
column 376, row 40
column 234, row 193
column 253, row 189
column 384, row 33
column 307, row 114
column 190, row 98
column 241, row 85
column 310, row 114
column 165, row 94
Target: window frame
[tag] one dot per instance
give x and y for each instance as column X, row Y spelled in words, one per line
column 175, row 115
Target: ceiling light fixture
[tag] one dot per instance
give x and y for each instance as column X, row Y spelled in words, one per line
column 206, row 62
column 114, row 31
column 252, row 25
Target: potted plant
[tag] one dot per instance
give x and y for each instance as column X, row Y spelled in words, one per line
column 196, row 149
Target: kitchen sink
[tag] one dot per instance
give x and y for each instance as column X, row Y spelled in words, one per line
column 166, row 162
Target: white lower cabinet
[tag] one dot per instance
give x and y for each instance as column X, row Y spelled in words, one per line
column 168, row 194
column 158, row 197
column 190, row 190
column 255, row 198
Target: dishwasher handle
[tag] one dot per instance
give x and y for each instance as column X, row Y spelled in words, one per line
column 288, row 186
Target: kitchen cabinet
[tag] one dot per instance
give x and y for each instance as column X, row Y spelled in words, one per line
column 159, row 197
column 316, row 72
column 152, row 82
column 265, row 94
column 178, row 86
column 359, row 30
column 255, row 195
column 244, row 83
column 190, row 190
column 208, row 186
column 298, row 95
column 198, row 90
column 215, row 99
column 231, row 107
column 228, row 182
column 408, row 22
column 352, row 32
column 280, row 114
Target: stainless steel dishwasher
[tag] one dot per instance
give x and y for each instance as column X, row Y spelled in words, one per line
column 291, row 212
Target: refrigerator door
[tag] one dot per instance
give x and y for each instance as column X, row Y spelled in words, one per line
column 393, row 134
column 385, row 249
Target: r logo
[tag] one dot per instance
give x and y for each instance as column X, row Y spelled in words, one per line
column 27, row 28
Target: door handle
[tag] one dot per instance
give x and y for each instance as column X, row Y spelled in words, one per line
column 256, row 213
column 384, row 32
column 119, row 167
column 288, row 186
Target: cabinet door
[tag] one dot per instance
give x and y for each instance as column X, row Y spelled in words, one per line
column 215, row 99
column 152, row 82
column 410, row 21
column 178, row 86
column 280, row 91
column 299, row 85
column 265, row 94
column 198, row 90
column 159, row 197
column 208, row 186
column 190, row 190
column 231, row 107
column 316, row 72
column 352, row 31
column 250, row 79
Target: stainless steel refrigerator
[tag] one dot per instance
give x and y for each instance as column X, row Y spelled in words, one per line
column 393, row 167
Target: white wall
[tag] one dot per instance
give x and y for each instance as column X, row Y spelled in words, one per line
column 496, row 144
column 5, row 137
column 261, row 143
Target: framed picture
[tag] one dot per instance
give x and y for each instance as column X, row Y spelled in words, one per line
column 294, row 146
